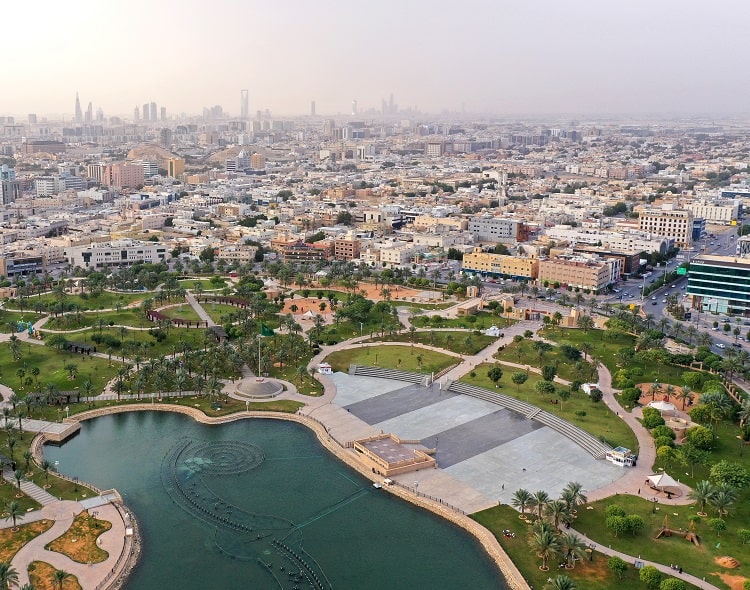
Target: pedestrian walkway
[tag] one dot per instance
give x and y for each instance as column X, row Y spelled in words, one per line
column 30, row 489
column 198, row 308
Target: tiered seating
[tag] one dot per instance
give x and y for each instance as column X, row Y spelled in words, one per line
column 395, row 374
column 582, row 438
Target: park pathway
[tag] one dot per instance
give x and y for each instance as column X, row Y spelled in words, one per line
column 199, row 309
column 30, row 489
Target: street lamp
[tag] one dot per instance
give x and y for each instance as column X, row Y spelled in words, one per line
column 247, row 405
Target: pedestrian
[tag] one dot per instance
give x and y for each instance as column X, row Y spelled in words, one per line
column 639, row 491
column 503, row 486
column 679, row 570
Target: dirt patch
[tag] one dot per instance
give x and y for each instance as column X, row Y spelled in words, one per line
column 41, row 575
column 79, row 542
column 734, row 582
column 729, row 562
column 11, row 542
column 661, row 396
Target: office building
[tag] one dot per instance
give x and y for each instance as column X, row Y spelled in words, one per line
column 580, row 272
column 116, row 253
column 145, row 111
column 123, row 175
column 175, row 167
column 715, row 211
column 498, row 230
column 78, row 111
column 719, row 284
column 152, row 113
column 244, row 105
column 500, row 265
column 312, row 108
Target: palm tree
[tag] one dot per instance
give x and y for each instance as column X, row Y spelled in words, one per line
column 586, row 349
column 556, row 511
column 8, row 575
column 561, row 583
column 572, row 548
column 701, row 494
column 540, row 499
column 522, row 499
column 691, row 331
column 575, row 493
column 744, row 412
column 18, row 476
column 46, row 466
column 722, row 499
column 15, row 512
column 59, row 578
column 545, row 544
column 685, row 394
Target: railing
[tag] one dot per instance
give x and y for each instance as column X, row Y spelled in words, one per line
column 129, row 555
column 416, row 492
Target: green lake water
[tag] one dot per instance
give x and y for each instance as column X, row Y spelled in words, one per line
column 261, row 504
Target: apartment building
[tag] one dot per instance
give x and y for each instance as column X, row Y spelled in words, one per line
column 399, row 254
column 577, row 272
column 719, row 211
column 175, row 167
column 304, row 252
column 346, row 248
column 437, row 224
column 500, row 265
column 668, row 222
column 498, row 230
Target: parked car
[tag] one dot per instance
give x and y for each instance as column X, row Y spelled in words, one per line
column 720, row 345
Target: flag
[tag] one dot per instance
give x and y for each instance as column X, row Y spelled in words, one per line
column 265, row 330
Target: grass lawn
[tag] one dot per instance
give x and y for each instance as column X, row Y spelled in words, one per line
column 699, row 561
column 151, row 347
column 104, row 300
column 605, row 349
column 306, row 385
column 523, row 353
column 479, row 321
column 391, row 357
column 11, row 542
column 344, row 330
column 220, row 312
column 425, row 306
column 587, row 575
column 79, row 541
column 41, row 576
column 458, row 342
column 6, row 317
column 205, row 284
column 184, row 311
column 129, row 317
column 51, row 364
column 598, row 421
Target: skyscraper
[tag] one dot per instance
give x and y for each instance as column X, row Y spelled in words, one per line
column 136, row 114
column 163, row 114
column 144, row 113
column 354, row 107
column 79, row 112
column 89, row 117
column 153, row 116
column 312, row 108
column 244, row 105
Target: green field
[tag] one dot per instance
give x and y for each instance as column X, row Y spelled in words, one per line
column 524, row 354
column 605, row 349
column 458, row 342
column 183, row 311
column 391, row 357
column 205, row 284
column 220, row 312
column 72, row 321
column 598, row 421
column 104, row 300
column 699, row 561
column 8, row 317
column 479, row 321
column 150, row 347
column 51, row 365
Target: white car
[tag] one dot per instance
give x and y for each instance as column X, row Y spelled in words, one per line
column 653, row 298
column 663, row 300
column 720, row 345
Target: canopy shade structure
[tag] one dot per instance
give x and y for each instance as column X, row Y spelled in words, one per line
column 663, row 480
column 663, row 406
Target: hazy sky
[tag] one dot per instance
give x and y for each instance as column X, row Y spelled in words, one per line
column 519, row 57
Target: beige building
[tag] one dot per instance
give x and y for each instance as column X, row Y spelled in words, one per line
column 576, row 272
column 670, row 223
column 500, row 264
column 175, row 167
column 427, row 222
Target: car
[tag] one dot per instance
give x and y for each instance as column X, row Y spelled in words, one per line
column 672, row 287
column 736, row 344
column 653, row 298
column 720, row 345
column 663, row 300
column 654, row 303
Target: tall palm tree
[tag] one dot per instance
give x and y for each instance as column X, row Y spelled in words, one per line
column 15, row 512
column 545, row 544
column 572, row 548
column 557, row 511
column 574, row 490
column 45, row 465
column 561, row 583
column 685, row 395
column 702, row 494
column 540, row 499
column 522, row 499
column 722, row 499
column 8, row 575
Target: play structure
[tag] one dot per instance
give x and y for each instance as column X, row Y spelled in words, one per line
column 24, row 326
column 689, row 534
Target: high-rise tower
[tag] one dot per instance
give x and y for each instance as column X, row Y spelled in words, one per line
column 244, row 106
column 312, row 108
column 79, row 112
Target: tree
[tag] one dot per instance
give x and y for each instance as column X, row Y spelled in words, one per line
column 635, row 523
column 733, row 474
column 548, row 372
column 586, row 323
column 617, row 565
column 573, row 494
column 545, row 544
column 522, row 499
column 8, row 575
column 722, row 499
column 617, row 524
column 718, row 525
column 541, row 348
column 572, row 548
column 495, row 373
column 544, row 387
column 744, row 535
column 59, row 578
column 701, row 494
column 540, row 499
column 650, row 576
column 15, row 512
column 519, row 379
column 557, row 511
column 45, row 465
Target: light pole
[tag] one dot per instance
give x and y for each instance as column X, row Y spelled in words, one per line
column 247, row 405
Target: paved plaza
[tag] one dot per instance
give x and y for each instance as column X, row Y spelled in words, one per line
column 485, row 447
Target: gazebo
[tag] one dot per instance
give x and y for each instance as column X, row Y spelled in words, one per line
column 662, row 481
column 664, row 407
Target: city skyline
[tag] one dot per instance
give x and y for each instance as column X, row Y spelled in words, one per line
column 477, row 57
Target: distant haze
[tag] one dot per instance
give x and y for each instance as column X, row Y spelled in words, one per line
column 485, row 56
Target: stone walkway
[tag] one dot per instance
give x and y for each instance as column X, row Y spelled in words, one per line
column 31, row 489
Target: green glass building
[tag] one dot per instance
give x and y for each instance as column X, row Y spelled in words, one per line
column 720, row 284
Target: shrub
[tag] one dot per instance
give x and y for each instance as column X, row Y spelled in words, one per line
column 544, row 387
column 581, row 413
column 701, row 414
column 663, row 431
column 652, row 418
column 672, row 584
column 630, row 396
column 663, row 441
column 595, row 395
column 614, row 510
column 733, row 474
column 700, row 437
column 650, row 576
column 744, row 535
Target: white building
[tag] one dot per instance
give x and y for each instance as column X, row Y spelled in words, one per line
column 115, row 253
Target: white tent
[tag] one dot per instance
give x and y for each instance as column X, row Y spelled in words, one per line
column 662, row 480
column 663, row 406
